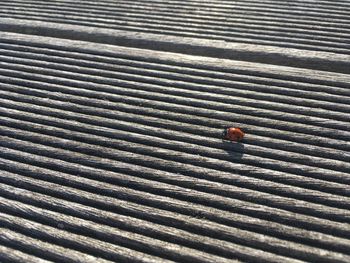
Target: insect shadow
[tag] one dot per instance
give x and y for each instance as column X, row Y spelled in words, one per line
column 234, row 149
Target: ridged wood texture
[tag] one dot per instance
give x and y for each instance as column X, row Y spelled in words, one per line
column 308, row 34
column 312, row 25
column 114, row 154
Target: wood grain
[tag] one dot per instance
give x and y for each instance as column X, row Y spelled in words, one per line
column 111, row 115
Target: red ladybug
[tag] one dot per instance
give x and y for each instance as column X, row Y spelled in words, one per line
column 233, row 134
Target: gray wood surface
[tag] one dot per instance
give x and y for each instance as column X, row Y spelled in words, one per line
column 326, row 60
column 111, row 115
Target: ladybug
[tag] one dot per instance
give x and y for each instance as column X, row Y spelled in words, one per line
column 233, row 134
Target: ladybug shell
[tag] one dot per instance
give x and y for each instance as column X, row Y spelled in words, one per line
column 233, row 134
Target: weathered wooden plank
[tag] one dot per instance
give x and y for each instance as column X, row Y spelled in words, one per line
column 115, row 153
column 57, row 233
column 158, row 11
column 226, row 204
column 43, row 249
column 298, row 91
column 10, row 255
column 319, row 173
column 145, row 227
column 99, row 232
column 321, row 60
column 196, row 89
column 159, row 24
column 194, row 128
column 77, row 225
column 167, row 233
column 114, row 149
column 212, row 110
column 169, row 59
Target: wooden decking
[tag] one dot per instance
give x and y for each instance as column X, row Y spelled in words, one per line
column 111, row 115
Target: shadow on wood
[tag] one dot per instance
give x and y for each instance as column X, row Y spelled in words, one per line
column 234, row 149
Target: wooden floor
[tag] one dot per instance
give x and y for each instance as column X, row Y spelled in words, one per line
column 111, row 121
